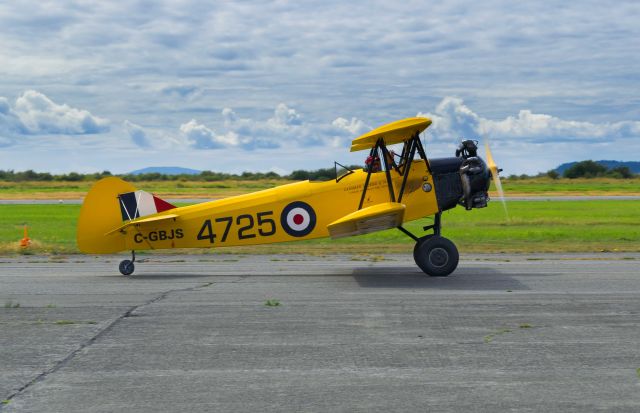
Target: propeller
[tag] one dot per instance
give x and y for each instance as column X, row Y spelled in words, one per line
column 496, row 177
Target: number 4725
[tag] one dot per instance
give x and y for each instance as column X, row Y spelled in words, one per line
column 245, row 225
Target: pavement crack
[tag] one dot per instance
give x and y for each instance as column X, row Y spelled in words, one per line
column 61, row 363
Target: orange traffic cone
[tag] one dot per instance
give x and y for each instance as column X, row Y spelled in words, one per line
column 24, row 242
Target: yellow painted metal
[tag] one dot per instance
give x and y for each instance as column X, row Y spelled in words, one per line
column 360, row 147
column 139, row 221
column 100, row 213
column 371, row 219
column 256, row 218
column 392, row 133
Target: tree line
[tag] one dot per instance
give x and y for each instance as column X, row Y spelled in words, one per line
column 584, row 169
column 298, row 175
column 591, row 169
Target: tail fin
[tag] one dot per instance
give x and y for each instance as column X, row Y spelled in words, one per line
column 136, row 204
column 110, row 202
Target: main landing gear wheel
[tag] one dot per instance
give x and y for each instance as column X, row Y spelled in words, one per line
column 126, row 267
column 436, row 255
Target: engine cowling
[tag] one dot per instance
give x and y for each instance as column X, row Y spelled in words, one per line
column 461, row 180
column 474, row 175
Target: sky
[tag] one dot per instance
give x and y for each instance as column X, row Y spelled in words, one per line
column 284, row 85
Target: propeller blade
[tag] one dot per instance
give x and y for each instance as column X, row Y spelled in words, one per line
column 496, row 177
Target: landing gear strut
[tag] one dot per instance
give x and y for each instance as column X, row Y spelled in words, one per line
column 126, row 266
column 434, row 254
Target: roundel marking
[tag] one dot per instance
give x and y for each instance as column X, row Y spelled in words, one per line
column 298, row 219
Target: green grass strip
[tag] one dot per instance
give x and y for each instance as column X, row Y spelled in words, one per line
column 534, row 226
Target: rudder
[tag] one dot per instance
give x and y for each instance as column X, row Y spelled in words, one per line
column 101, row 213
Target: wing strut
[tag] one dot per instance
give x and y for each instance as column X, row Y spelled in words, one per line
column 372, row 153
column 409, row 234
column 388, row 164
column 387, row 168
column 409, row 150
column 422, row 153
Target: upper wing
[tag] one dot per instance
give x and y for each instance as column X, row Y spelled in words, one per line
column 374, row 218
column 392, row 133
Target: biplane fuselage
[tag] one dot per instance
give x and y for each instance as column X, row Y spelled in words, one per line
column 262, row 217
column 393, row 189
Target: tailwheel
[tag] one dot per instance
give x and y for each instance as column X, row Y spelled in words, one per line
column 435, row 255
column 126, row 267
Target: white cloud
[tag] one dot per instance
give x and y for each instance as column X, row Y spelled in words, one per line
column 229, row 116
column 452, row 119
column 35, row 114
column 5, row 108
column 137, row 134
column 201, row 137
column 10, row 124
column 529, row 73
column 287, row 128
column 284, row 116
column 40, row 115
column 355, row 126
column 534, row 126
column 566, row 55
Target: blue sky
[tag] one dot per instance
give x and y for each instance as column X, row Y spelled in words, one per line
column 251, row 85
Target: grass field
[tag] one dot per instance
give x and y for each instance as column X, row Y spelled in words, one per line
column 534, row 226
column 219, row 189
column 580, row 186
column 166, row 189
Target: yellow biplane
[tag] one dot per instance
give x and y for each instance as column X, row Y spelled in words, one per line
column 392, row 189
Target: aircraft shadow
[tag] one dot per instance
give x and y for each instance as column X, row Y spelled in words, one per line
column 465, row 278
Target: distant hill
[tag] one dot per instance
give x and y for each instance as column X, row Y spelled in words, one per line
column 166, row 170
column 633, row 166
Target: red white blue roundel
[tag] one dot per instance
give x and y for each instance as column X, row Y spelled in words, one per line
column 298, row 219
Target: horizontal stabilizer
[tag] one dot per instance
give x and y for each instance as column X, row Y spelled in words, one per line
column 374, row 218
column 143, row 221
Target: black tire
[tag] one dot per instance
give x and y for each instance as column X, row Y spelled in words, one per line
column 436, row 256
column 126, row 267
